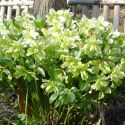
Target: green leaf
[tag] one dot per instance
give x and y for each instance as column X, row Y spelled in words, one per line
column 104, row 83
column 71, row 97
column 101, row 95
column 84, row 86
column 20, row 71
column 21, row 123
column 39, row 23
column 104, row 67
column 41, row 71
column 108, row 90
column 9, row 77
column 16, row 24
column 53, row 97
column 5, row 60
column 57, row 104
column 22, row 116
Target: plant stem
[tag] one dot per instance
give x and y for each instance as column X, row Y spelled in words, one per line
column 26, row 105
column 82, row 121
column 67, row 114
column 37, row 92
column 102, row 113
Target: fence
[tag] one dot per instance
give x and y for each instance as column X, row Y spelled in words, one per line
column 12, row 8
column 107, row 5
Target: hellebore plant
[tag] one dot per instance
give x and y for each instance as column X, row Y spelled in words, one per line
column 60, row 62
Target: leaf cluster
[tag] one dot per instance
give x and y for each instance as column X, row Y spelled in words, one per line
column 74, row 61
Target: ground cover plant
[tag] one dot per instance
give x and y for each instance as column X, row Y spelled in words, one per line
column 62, row 70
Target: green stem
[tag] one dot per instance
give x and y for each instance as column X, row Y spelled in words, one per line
column 67, row 114
column 37, row 91
column 82, row 121
column 26, row 105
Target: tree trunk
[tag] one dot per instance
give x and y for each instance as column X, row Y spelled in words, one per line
column 41, row 7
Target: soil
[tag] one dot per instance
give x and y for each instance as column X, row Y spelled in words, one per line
column 115, row 111
column 115, row 115
column 7, row 111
